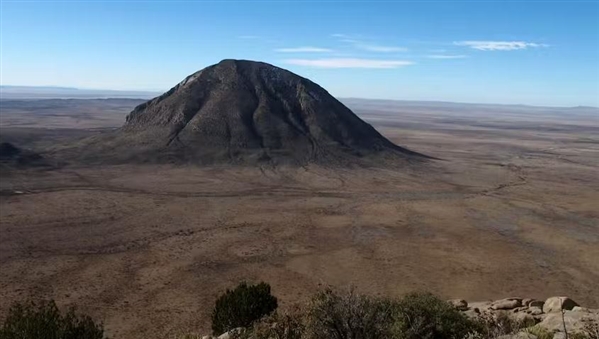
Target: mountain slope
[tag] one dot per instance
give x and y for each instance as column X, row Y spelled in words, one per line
column 245, row 111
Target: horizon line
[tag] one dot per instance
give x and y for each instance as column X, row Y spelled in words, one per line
column 159, row 92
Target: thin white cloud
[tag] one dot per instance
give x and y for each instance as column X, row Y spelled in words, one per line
column 446, row 56
column 348, row 63
column 498, row 45
column 304, row 49
column 358, row 43
column 380, row 48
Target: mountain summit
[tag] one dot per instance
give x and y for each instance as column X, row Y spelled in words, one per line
column 247, row 111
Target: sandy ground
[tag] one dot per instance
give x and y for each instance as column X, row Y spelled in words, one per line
column 512, row 210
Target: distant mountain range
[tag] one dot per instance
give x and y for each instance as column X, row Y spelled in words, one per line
column 55, row 92
column 58, row 92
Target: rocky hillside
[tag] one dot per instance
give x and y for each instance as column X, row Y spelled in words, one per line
column 556, row 315
column 554, row 318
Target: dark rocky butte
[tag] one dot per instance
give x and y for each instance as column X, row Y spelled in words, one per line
column 242, row 111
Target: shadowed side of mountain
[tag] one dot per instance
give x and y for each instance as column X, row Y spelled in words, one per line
column 12, row 156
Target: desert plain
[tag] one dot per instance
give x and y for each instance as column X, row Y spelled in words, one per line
column 510, row 208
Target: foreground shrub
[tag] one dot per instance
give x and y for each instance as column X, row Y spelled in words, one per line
column 424, row 316
column 495, row 325
column 591, row 329
column 44, row 321
column 277, row 326
column 539, row 332
column 242, row 306
column 349, row 316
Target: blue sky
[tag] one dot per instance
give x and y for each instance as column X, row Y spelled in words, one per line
column 526, row 52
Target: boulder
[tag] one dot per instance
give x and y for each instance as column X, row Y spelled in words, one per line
column 506, row 304
column 556, row 304
column 459, row 304
column 574, row 321
column 584, row 309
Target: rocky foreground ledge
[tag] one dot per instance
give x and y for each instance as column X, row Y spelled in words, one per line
column 556, row 317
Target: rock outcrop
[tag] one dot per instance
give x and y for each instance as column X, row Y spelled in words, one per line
column 528, row 320
column 557, row 304
column 556, row 315
column 506, row 304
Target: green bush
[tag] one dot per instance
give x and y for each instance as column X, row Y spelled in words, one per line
column 44, row 321
column 539, row 332
column 501, row 323
column 348, row 316
column 424, row 316
column 242, row 306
